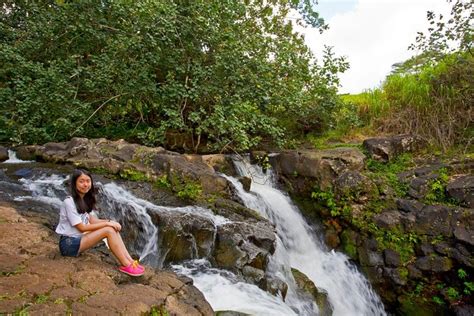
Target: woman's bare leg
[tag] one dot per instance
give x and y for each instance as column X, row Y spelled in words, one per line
column 124, row 249
column 113, row 239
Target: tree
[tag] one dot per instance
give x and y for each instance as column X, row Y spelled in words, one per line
column 225, row 74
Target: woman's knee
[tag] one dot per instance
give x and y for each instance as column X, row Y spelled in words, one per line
column 109, row 231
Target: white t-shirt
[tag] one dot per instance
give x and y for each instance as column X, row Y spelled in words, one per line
column 70, row 217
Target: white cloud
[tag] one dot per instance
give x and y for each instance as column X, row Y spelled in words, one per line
column 373, row 36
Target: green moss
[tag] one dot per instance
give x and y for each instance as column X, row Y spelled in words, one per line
column 162, row 182
column 134, row 175
column 157, row 311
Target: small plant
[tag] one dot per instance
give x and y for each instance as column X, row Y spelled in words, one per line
column 438, row 300
column 419, row 288
column 327, row 199
column 468, row 288
column 163, row 182
column 437, row 188
column 190, row 190
column 462, row 274
column 41, row 298
column 453, row 294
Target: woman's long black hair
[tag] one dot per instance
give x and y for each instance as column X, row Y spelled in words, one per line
column 87, row 203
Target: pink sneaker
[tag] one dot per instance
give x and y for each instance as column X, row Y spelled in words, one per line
column 137, row 265
column 132, row 269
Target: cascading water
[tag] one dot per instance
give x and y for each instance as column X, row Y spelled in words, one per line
column 297, row 246
column 349, row 292
column 13, row 159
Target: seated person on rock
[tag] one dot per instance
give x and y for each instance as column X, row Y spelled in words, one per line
column 80, row 230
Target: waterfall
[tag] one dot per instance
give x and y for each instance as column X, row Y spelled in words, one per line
column 349, row 292
column 13, row 159
column 297, row 246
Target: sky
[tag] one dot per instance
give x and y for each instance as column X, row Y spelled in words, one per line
column 372, row 34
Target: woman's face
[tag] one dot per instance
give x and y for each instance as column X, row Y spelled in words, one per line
column 83, row 184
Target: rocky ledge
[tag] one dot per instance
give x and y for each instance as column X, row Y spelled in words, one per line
column 36, row 279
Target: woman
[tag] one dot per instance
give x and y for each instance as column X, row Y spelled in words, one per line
column 79, row 230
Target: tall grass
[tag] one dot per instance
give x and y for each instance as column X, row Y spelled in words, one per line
column 436, row 103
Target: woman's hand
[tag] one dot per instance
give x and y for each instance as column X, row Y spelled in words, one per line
column 115, row 225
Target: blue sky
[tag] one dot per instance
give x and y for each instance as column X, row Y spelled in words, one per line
column 372, row 34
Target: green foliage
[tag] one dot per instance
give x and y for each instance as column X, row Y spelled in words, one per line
column 453, row 294
column 468, row 288
column 388, row 172
column 462, row 274
column 190, row 190
column 438, row 300
column 41, row 298
column 437, row 188
column 447, row 33
column 163, row 182
column 158, row 311
column 226, row 74
column 327, row 199
column 133, row 175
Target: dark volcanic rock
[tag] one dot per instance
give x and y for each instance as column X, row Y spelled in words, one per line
column 462, row 189
column 387, row 148
column 434, row 263
column 3, row 153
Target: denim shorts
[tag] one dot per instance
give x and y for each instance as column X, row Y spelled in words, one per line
column 69, row 246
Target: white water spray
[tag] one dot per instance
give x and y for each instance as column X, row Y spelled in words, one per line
column 13, row 159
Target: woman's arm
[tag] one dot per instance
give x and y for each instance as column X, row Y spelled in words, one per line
column 91, row 227
column 95, row 220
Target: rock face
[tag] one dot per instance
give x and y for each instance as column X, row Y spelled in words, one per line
column 387, row 148
column 462, row 190
column 36, row 279
column 300, row 169
column 3, row 153
column 134, row 161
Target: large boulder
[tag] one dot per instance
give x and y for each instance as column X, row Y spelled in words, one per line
column 3, row 153
column 133, row 161
column 462, row 190
column 321, row 166
column 387, row 148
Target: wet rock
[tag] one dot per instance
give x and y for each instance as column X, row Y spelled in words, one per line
column 246, row 183
column 462, row 190
column 253, row 274
column 27, row 152
column 387, row 148
column 369, row 257
column 184, row 236
column 331, row 237
column 425, row 249
column 320, row 296
column 274, row 286
column 241, row 244
column 350, row 241
column 3, row 153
